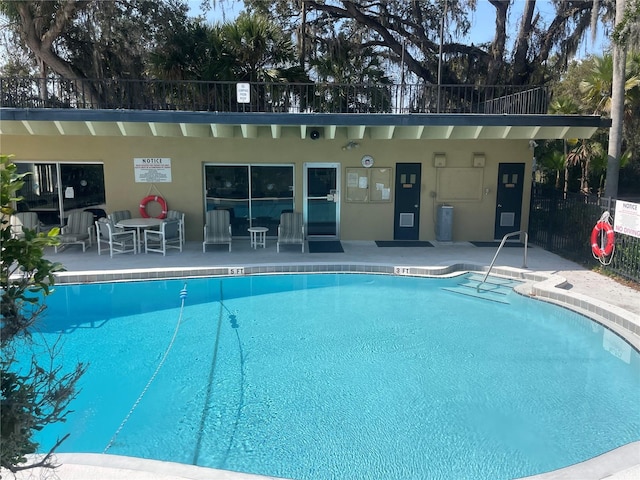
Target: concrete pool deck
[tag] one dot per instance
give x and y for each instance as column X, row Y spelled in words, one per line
column 548, row 277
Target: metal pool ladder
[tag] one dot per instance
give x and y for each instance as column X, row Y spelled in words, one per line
column 504, row 239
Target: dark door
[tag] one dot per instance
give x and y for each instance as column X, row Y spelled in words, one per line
column 406, row 218
column 509, row 198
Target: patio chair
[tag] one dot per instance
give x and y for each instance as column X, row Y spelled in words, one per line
column 119, row 215
column 174, row 214
column 217, row 229
column 290, row 230
column 167, row 237
column 24, row 220
column 78, row 231
column 119, row 241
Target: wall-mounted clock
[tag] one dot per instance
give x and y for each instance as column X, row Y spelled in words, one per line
column 367, row 161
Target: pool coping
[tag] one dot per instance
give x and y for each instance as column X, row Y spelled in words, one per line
column 622, row 462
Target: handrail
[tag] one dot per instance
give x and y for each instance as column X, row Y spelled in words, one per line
column 504, row 239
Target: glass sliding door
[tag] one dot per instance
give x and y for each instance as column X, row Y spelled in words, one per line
column 271, row 194
column 53, row 190
column 255, row 195
column 322, row 200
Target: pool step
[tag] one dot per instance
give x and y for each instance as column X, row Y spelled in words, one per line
column 494, row 289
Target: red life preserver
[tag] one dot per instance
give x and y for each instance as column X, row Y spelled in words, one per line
column 153, row 198
column 607, row 248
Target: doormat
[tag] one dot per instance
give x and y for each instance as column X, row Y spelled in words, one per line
column 497, row 244
column 325, row 247
column 402, row 243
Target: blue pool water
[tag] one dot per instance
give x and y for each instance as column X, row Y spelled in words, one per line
column 341, row 377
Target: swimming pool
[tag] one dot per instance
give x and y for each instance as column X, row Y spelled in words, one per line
column 341, row 376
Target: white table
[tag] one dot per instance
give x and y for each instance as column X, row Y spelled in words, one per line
column 140, row 224
column 258, row 236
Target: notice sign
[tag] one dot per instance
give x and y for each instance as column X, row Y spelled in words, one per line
column 152, row 170
column 243, row 92
column 627, row 218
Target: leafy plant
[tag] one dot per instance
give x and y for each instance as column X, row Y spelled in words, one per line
column 32, row 396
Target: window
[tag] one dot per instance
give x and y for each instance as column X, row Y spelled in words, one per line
column 255, row 195
column 53, row 190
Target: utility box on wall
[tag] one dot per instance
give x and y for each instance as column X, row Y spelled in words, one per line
column 444, row 223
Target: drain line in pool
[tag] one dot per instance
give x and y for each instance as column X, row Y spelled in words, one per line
column 183, row 296
column 205, row 412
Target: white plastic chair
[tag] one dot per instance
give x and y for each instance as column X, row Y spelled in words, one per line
column 119, row 241
column 78, row 231
column 217, row 229
column 175, row 215
column 290, row 230
column 24, row 220
column 168, row 236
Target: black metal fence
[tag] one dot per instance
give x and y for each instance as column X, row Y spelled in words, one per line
column 563, row 224
column 21, row 92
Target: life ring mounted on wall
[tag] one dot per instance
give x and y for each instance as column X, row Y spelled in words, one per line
column 602, row 239
column 153, row 198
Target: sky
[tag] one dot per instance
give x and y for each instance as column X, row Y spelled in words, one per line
column 482, row 29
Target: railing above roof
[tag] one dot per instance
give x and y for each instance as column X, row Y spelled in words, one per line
column 254, row 97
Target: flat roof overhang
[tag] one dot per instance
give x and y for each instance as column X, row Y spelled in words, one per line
column 352, row 126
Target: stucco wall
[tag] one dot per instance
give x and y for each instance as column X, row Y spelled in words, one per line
column 473, row 218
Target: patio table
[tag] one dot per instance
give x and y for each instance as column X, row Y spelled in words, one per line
column 140, row 224
column 258, row 236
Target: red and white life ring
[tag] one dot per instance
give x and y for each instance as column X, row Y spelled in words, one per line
column 153, row 198
column 606, row 248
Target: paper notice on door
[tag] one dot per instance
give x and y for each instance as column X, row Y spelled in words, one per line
column 362, row 182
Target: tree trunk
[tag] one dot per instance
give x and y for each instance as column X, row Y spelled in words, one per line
column 499, row 40
column 520, row 65
column 41, row 44
column 617, row 111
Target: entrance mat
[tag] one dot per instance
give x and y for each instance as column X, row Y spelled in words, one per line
column 402, row 243
column 325, row 247
column 497, row 244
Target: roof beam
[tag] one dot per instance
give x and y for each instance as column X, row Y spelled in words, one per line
column 356, row 131
column 276, row 131
column 28, row 127
column 249, row 131
column 91, row 128
column 330, row 132
column 219, row 130
column 123, row 130
column 383, row 133
column 59, row 127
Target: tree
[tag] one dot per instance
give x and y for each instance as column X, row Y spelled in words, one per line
column 31, row 396
column 408, row 33
column 564, row 106
column 617, row 110
column 85, row 40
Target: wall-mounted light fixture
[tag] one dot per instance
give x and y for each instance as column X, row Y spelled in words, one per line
column 532, row 144
column 350, row 145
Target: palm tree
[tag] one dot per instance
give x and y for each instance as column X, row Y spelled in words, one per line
column 554, row 161
column 614, row 90
column 565, row 106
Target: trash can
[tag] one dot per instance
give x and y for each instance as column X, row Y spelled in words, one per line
column 444, row 223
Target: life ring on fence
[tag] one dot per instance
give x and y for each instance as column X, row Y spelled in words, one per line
column 153, row 198
column 606, row 248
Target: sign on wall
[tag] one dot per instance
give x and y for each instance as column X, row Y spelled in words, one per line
column 627, row 218
column 152, row 170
